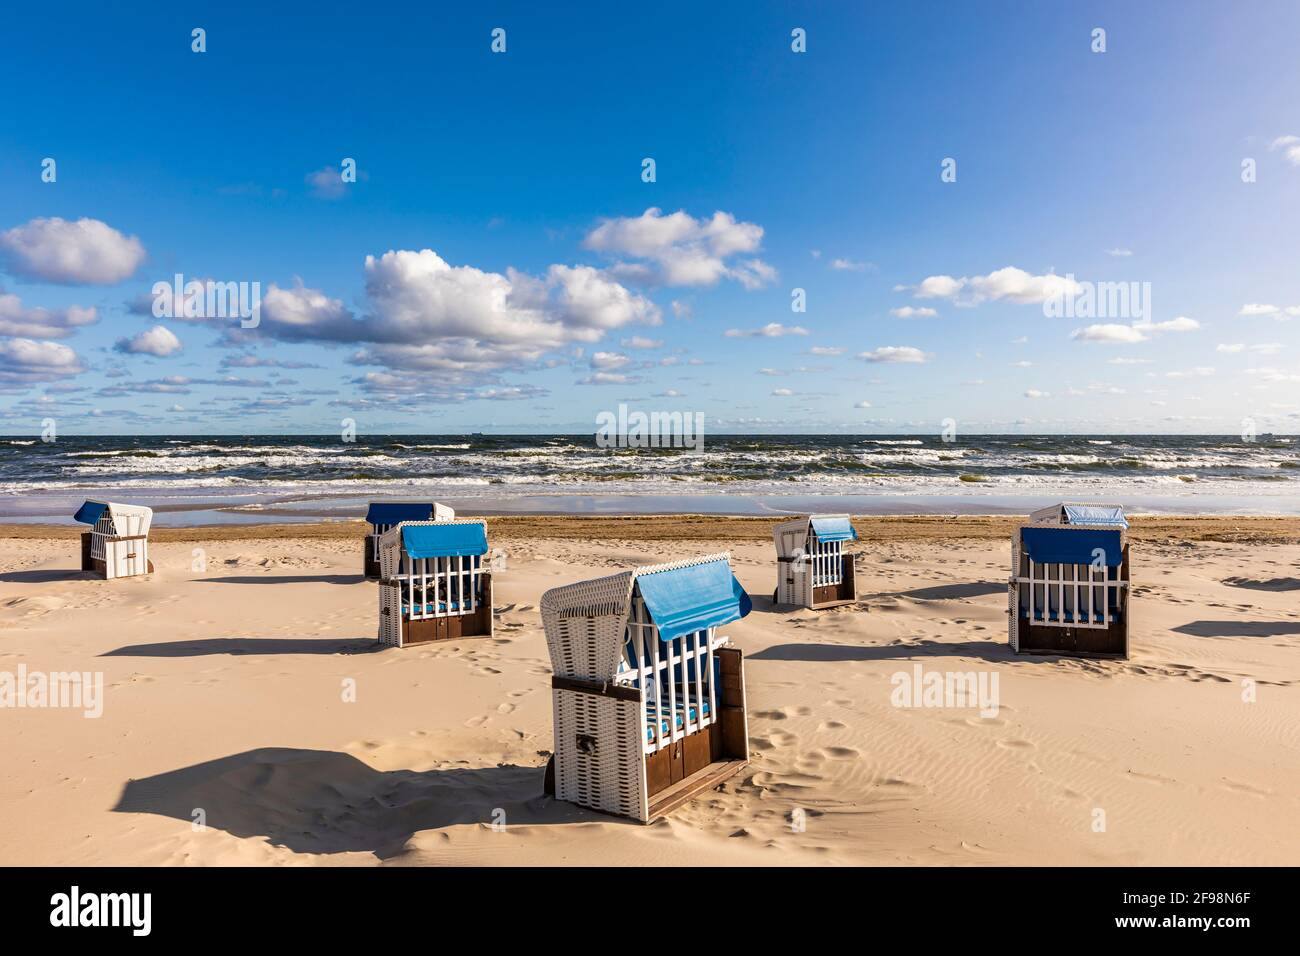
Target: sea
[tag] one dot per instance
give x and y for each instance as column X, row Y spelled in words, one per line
column 206, row 479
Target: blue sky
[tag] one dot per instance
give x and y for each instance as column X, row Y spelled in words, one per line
column 551, row 289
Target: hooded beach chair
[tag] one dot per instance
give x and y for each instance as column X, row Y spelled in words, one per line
column 117, row 545
column 649, row 702
column 383, row 515
column 812, row 569
column 1069, row 587
column 434, row 582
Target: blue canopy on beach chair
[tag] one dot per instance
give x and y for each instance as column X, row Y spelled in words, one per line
column 446, row 540
column 693, row 598
column 1071, row 545
column 1109, row 515
column 395, row 512
column 833, row 529
column 90, row 512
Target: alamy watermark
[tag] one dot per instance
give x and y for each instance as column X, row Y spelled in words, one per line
column 973, row 690
column 655, row 429
column 76, row 690
column 133, row 911
column 1099, row 300
column 208, row 300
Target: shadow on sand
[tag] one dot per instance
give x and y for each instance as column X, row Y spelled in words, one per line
column 203, row 647
column 950, row 592
column 834, row 653
column 286, row 579
column 320, row 801
column 1264, row 584
column 44, row 577
column 1238, row 628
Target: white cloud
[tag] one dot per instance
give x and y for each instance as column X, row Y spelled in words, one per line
column 894, row 354
column 24, row 361
column 611, row 378
column 1109, row 332
column 847, row 265
column 609, row 360
column 309, row 314
column 783, row 392
column 773, row 330
column 680, row 250
column 1273, row 375
column 1267, row 348
column 1010, row 283
column 862, row 405
column 1258, row 308
column 913, row 312
column 641, row 342
column 85, row 252
column 1118, row 252
column 510, row 393
column 825, row 350
column 1113, row 332
column 327, row 182
column 1290, row 145
column 158, row 341
column 1035, row 393
column 1179, row 324
column 38, row 323
column 425, row 314
column 1198, row 372
column 589, row 302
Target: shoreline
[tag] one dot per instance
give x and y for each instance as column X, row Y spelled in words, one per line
column 1280, row 529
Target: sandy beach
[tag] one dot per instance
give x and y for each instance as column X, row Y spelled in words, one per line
column 225, row 736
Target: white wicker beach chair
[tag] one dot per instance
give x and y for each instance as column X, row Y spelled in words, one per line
column 1069, row 586
column 117, row 546
column 649, row 701
column 812, row 569
column 383, row 515
column 434, row 582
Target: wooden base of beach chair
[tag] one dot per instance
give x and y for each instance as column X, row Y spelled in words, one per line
column 666, row 801
column 453, row 627
column 833, row 595
column 370, row 560
column 1074, row 641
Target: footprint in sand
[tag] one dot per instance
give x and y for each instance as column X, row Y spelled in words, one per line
column 1150, row 777
column 505, row 708
column 1246, row 788
column 478, row 721
column 784, row 713
column 772, row 741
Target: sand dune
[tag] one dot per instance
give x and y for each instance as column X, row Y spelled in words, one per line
column 225, row 696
